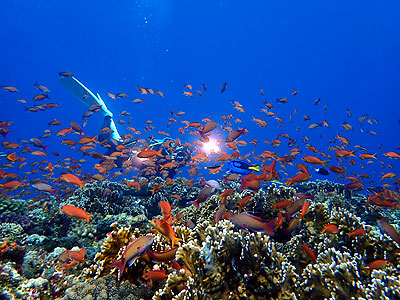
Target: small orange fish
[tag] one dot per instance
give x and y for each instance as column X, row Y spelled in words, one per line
column 165, row 209
column 149, row 153
column 391, row 154
column 189, row 94
column 304, row 209
column 330, row 228
column 378, row 264
column 357, row 232
column 302, row 177
column 309, row 252
column 166, row 230
column 314, row 160
column 155, row 275
column 70, row 178
column 38, row 153
column 10, row 89
column 63, row 132
column 244, row 201
column 75, row 212
column 11, row 185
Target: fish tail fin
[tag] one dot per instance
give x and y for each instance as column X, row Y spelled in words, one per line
column 120, row 264
column 88, row 219
column 255, row 168
column 174, row 240
column 289, row 182
column 325, row 162
column 224, row 179
column 158, row 153
column 269, row 227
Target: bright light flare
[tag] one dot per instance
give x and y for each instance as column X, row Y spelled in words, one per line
column 211, row 147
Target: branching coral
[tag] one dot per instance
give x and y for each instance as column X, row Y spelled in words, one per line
column 226, row 263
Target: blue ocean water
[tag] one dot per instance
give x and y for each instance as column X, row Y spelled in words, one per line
column 344, row 53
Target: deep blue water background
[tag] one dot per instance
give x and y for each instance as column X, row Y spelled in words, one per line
column 345, row 53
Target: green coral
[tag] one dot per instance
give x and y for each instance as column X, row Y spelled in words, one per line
column 17, row 206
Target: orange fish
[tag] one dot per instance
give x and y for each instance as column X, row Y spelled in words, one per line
column 38, row 153
column 156, row 188
column 344, row 153
column 309, row 252
column 378, row 264
column 133, row 184
column 314, row 160
column 164, row 256
column 75, row 212
column 63, row 132
column 149, row 153
column 330, row 228
column 391, row 154
column 282, row 204
column 165, row 209
column 189, row 94
column 234, row 135
column 367, row 156
column 166, row 230
column 155, row 275
column 388, row 176
column 11, row 185
column 70, row 178
column 279, row 222
column 304, row 209
column 337, row 170
column 10, row 89
column 12, row 157
column 302, row 177
column 357, row 232
column 69, row 255
column 244, row 201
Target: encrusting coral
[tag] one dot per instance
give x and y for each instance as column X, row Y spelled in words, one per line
column 106, row 288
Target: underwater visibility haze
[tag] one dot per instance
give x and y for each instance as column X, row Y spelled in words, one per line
column 199, row 150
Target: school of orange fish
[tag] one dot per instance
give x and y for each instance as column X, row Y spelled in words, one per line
column 23, row 176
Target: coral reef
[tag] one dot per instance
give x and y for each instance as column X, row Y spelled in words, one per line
column 213, row 261
column 106, row 288
column 8, row 205
column 226, row 263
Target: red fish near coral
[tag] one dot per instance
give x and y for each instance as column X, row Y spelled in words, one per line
column 132, row 252
column 389, row 230
column 309, row 252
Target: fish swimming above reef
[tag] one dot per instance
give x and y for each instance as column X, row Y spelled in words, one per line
column 321, row 171
column 242, row 167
